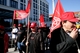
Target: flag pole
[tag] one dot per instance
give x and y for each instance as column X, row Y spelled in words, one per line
column 12, row 26
column 28, row 11
column 39, row 13
column 27, row 32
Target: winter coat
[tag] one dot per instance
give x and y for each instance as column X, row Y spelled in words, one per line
column 61, row 42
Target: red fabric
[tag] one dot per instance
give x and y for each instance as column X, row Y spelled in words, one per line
column 1, row 27
column 20, row 14
column 20, row 25
column 14, row 25
column 69, row 16
column 42, row 23
column 56, row 17
column 28, row 6
column 6, row 41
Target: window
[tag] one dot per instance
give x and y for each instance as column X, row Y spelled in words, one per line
column 46, row 6
column 40, row 12
column 43, row 9
column 21, row 6
column 40, row 7
column 34, row 5
column 24, row 1
column 33, row 11
column 47, row 10
column 30, row 18
column 21, row 0
column 36, row 18
column 34, row 0
column 37, row 6
column 36, row 12
column 24, row 7
column 41, row 3
column 3, row 2
column 33, row 17
column 14, row 4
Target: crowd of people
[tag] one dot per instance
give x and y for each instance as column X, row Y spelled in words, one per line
column 33, row 39
column 30, row 38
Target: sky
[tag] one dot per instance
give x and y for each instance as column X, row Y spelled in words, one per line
column 68, row 5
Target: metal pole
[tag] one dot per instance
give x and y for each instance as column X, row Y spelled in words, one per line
column 27, row 32
column 39, row 13
column 53, row 6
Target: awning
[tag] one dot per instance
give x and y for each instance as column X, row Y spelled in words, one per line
column 6, row 14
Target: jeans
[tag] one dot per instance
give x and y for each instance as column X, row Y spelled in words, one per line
column 21, row 46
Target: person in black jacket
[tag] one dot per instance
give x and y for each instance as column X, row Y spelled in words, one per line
column 66, row 38
column 34, row 40
column 20, row 38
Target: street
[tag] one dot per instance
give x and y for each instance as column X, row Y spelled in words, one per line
column 11, row 50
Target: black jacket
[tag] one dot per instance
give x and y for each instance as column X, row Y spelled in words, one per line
column 35, row 42
column 61, row 42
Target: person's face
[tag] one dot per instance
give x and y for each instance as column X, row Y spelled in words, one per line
column 39, row 30
column 33, row 29
column 14, row 26
column 19, row 28
column 69, row 26
column 1, row 31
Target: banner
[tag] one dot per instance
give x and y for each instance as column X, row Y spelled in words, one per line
column 20, row 14
column 42, row 23
column 56, row 17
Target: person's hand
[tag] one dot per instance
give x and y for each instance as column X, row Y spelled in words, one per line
column 74, row 33
column 27, row 43
column 19, row 32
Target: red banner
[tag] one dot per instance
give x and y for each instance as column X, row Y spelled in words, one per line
column 20, row 14
column 42, row 23
column 28, row 6
column 56, row 17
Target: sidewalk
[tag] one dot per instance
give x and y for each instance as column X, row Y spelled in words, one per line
column 11, row 50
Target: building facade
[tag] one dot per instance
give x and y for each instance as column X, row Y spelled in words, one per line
column 6, row 10
column 37, row 7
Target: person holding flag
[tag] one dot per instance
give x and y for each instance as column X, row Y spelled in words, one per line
column 65, row 39
column 34, row 40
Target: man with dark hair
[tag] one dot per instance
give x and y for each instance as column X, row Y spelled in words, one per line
column 66, row 38
column 20, row 38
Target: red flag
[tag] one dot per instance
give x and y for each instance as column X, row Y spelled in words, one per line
column 20, row 14
column 56, row 16
column 42, row 23
column 28, row 6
